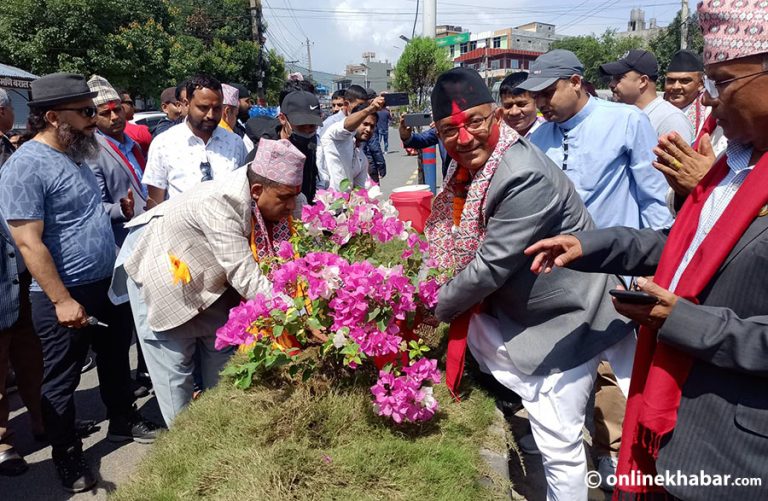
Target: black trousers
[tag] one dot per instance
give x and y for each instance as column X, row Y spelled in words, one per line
column 64, row 351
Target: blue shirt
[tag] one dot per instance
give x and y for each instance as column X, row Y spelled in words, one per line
column 126, row 149
column 609, row 155
column 41, row 183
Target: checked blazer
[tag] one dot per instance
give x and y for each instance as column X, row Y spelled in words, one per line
column 208, row 228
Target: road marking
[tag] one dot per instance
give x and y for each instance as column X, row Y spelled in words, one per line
column 413, row 178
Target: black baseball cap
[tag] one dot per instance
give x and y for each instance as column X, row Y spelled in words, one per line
column 302, row 108
column 639, row 60
column 549, row 68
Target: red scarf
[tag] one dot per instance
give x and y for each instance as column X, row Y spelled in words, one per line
column 660, row 370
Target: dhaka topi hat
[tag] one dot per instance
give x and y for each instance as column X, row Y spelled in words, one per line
column 638, row 60
column 733, row 29
column 105, row 93
column 230, row 95
column 59, row 88
column 242, row 90
column 685, row 61
column 457, row 90
column 279, row 161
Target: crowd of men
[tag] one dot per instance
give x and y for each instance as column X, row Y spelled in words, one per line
column 551, row 198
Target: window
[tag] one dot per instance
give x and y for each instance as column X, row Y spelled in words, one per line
column 463, row 48
column 453, row 51
column 514, row 64
column 497, row 42
column 495, row 64
column 473, row 45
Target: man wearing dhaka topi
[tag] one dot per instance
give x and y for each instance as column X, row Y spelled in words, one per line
column 198, row 255
column 541, row 336
column 698, row 403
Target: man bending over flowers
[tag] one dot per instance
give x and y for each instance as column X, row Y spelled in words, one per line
column 541, row 336
column 198, row 255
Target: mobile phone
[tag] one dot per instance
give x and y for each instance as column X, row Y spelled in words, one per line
column 417, row 119
column 633, row 297
column 396, row 99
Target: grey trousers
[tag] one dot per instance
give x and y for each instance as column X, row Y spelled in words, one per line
column 169, row 354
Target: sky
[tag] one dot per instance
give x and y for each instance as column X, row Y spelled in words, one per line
column 339, row 31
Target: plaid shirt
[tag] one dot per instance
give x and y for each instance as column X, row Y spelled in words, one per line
column 208, row 228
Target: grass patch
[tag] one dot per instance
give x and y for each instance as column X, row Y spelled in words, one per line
column 318, row 442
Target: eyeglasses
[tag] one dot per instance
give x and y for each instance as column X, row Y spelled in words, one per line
column 474, row 126
column 205, row 168
column 85, row 111
column 712, row 86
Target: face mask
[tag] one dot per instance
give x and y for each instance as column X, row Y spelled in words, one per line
column 303, row 141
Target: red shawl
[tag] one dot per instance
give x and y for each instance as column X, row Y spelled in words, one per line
column 660, row 370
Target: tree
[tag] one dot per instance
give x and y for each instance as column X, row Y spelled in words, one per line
column 419, row 66
column 666, row 43
column 144, row 46
column 593, row 51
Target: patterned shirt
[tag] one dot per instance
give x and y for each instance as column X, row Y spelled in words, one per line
column 175, row 158
column 41, row 183
column 738, row 157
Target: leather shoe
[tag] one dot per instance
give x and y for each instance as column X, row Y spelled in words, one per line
column 11, row 463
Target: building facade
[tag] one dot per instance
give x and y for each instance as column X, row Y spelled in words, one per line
column 637, row 27
column 376, row 75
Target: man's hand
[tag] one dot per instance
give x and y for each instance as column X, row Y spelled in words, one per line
column 650, row 315
column 377, row 104
column 555, row 251
column 71, row 314
column 126, row 205
column 683, row 166
column 405, row 132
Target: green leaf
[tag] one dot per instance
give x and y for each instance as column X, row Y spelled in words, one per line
column 277, row 330
column 345, row 185
column 314, row 323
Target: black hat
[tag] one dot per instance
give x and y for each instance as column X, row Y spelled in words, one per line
column 549, row 68
column 686, row 61
column 641, row 61
column 302, row 108
column 242, row 90
column 58, row 88
column 461, row 88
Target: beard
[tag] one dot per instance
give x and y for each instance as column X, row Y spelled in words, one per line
column 77, row 144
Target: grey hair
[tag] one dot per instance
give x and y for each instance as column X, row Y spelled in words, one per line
column 5, row 101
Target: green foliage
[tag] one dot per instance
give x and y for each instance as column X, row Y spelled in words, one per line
column 593, row 51
column 419, row 66
column 143, row 45
column 667, row 43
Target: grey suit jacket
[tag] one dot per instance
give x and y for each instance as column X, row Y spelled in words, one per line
column 553, row 322
column 722, row 423
column 114, row 178
column 10, row 262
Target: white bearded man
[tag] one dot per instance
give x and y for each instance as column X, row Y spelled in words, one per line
column 212, row 239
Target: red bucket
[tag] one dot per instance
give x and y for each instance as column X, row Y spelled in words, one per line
column 414, row 204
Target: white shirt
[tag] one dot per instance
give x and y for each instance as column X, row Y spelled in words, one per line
column 337, row 117
column 717, row 202
column 339, row 158
column 175, row 157
column 666, row 117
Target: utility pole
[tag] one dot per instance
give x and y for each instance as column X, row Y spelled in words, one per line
column 430, row 18
column 309, row 59
column 258, row 36
column 684, row 25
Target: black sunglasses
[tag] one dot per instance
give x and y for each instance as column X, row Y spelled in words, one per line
column 205, row 168
column 85, row 111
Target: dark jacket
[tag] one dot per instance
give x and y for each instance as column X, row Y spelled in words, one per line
column 722, row 422
column 426, row 139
